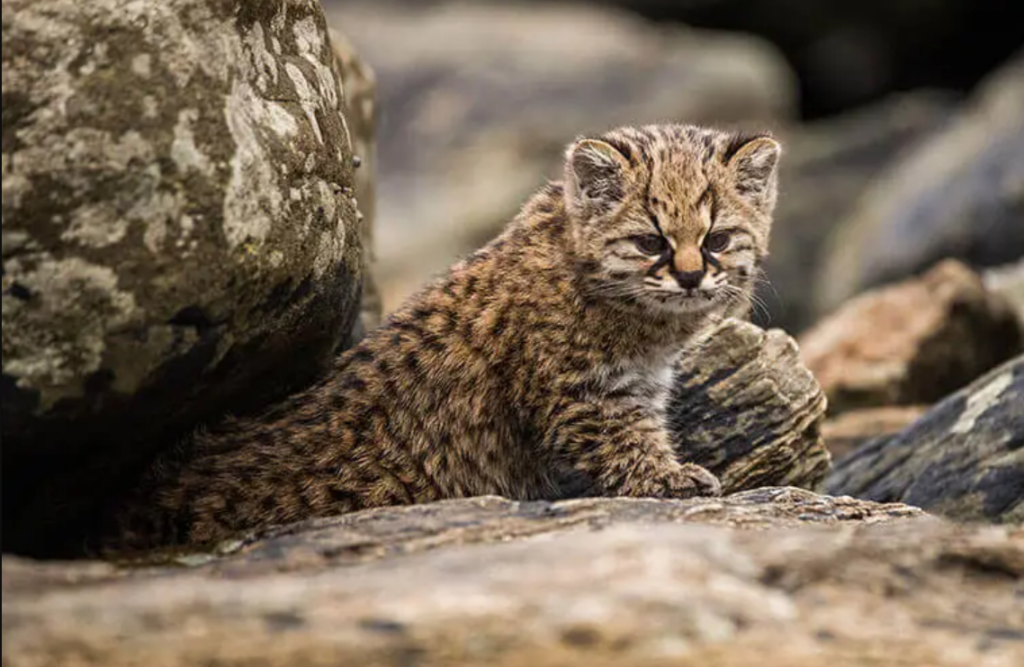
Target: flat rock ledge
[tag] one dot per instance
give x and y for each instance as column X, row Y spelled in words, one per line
column 837, row 581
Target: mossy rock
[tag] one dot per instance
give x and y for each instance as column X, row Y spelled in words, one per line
column 180, row 232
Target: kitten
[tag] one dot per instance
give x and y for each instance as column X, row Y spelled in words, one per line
column 539, row 367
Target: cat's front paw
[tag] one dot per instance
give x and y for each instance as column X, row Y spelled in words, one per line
column 680, row 481
column 693, row 480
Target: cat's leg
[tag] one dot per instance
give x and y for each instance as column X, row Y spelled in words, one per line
column 624, row 449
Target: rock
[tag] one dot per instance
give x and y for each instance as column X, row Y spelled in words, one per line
column 610, row 582
column 848, row 55
column 1008, row 282
column 468, row 134
column 963, row 459
column 848, row 431
column 745, row 407
column 961, row 196
column 913, row 342
column 827, row 166
column 179, row 235
column 360, row 86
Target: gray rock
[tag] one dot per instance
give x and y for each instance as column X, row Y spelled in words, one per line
column 468, row 132
column 179, row 232
column 851, row 53
column 963, row 459
column 961, row 196
column 826, row 167
column 849, row 430
column 360, row 85
column 1008, row 282
column 814, row 581
column 745, row 407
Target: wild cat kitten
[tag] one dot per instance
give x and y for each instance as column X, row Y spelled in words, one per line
column 536, row 368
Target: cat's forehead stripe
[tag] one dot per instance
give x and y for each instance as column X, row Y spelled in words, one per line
column 706, row 198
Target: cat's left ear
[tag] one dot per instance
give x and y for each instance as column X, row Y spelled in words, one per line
column 595, row 176
column 754, row 165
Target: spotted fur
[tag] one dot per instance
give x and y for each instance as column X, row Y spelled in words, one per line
column 536, row 368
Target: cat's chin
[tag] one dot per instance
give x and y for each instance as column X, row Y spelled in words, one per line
column 700, row 304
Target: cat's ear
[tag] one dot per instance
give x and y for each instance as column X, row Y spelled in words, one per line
column 754, row 165
column 595, row 176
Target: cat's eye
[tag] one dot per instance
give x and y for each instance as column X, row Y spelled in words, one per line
column 717, row 241
column 651, row 244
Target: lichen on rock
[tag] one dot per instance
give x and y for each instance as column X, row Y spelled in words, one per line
column 962, row 459
column 180, row 237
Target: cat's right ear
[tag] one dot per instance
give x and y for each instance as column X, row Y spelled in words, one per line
column 595, row 176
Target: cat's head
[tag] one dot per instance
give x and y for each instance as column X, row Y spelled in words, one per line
column 674, row 218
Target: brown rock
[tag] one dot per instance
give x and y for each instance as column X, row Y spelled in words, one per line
column 848, row 431
column 913, row 342
column 628, row 583
column 746, row 408
column 963, row 459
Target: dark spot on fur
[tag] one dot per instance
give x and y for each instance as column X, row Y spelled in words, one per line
column 360, row 355
column 19, row 291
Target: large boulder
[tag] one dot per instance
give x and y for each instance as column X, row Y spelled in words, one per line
column 775, row 577
column 963, row 459
column 961, row 195
column 180, row 235
column 468, row 133
column 913, row 342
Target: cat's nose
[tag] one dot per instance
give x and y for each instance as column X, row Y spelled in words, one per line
column 688, row 266
column 688, row 279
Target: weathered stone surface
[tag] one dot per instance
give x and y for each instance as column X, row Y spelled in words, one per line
column 360, row 85
column 597, row 582
column 462, row 146
column 963, row 459
column 387, row 532
column 913, row 342
column 961, row 195
column 745, row 407
column 179, row 232
column 1008, row 282
column 848, row 431
column 826, row 168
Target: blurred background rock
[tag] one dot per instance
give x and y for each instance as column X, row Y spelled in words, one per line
column 478, row 98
